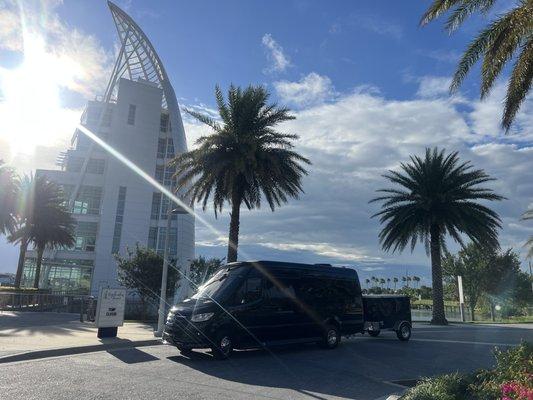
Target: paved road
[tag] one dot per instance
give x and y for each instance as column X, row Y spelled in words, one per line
column 361, row 368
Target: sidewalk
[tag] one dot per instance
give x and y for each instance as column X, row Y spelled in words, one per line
column 23, row 332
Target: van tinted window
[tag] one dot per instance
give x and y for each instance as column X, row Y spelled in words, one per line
column 249, row 291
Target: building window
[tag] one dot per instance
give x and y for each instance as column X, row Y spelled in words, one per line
column 164, row 208
column 161, row 148
column 87, row 201
column 165, row 148
column 85, row 236
column 156, row 240
column 170, row 148
column 164, row 123
column 107, row 117
column 95, row 166
column 169, row 176
column 72, row 275
column 117, row 233
column 159, row 172
column 131, row 114
column 156, row 205
column 152, row 238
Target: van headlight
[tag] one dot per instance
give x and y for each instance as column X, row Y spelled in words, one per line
column 201, row 317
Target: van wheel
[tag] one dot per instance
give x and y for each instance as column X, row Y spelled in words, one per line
column 223, row 348
column 374, row 333
column 404, row 332
column 332, row 337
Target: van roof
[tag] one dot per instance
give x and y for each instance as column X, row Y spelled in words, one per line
column 327, row 268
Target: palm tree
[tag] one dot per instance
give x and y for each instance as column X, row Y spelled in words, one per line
column 244, row 159
column 44, row 221
column 9, row 189
column 367, row 281
column 395, row 280
column 507, row 37
column 388, row 283
column 417, row 280
column 404, row 280
column 437, row 197
column 529, row 215
column 382, row 282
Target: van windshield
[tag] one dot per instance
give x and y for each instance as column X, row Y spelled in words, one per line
column 217, row 284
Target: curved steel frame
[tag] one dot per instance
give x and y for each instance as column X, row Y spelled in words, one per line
column 139, row 60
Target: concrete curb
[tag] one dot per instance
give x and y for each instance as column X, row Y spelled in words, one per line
column 66, row 351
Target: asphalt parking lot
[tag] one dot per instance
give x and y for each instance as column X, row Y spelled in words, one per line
column 361, row 368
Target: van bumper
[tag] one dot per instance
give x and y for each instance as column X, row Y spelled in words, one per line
column 186, row 337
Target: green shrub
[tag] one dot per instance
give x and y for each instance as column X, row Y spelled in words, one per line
column 444, row 387
column 513, row 369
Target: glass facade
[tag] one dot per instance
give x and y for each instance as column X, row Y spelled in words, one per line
column 156, row 240
column 70, row 275
column 88, row 200
column 85, row 236
column 94, row 166
column 165, row 148
column 119, row 218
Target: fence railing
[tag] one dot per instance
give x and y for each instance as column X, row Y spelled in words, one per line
column 48, row 302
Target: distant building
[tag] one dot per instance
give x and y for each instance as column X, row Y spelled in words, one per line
column 7, row 279
column 139, row 117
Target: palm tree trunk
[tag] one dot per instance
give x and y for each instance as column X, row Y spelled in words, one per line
column 234, row 227
column 20, row 266
column 439, row 317
column 40, row 251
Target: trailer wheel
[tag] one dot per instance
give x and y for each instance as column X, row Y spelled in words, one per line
column 404, row 331
column 374, row 333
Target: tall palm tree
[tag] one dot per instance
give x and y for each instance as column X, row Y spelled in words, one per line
column 382, row 282
column 44, row 221
column 506, row 38
column 367, row 281
column 395, row 280
column 388, row 283
column 436, row 197
column 9, row 189
column 244, row 159
column 529, row 215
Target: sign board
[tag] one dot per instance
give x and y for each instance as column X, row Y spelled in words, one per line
column 110, row 307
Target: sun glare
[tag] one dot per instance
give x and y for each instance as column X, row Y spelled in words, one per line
column 31, row 113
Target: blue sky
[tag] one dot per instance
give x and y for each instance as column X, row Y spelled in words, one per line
column 368, row 87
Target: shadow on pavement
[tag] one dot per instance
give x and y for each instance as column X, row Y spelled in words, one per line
column 132, row 356
column 371, row 362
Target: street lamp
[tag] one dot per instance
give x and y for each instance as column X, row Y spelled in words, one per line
column 164, row 275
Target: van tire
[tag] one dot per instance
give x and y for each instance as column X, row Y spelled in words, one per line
column 404, row 331
column 374, row 333
column 332, row 337
column 223, row 347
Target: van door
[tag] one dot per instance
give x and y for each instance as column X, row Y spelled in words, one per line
column 281, row 310
column 248, row 308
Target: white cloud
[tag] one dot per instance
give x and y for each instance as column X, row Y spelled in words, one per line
column 310, row 90
column 433, row 86
column 280, row 62
column 351, row 141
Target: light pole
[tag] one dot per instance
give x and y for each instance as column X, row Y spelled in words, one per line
column 164, row 275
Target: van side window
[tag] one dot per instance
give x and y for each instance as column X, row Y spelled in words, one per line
column 249, row 291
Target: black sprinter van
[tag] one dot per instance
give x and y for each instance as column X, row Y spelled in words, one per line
column 256, row 304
